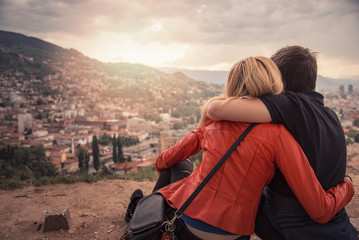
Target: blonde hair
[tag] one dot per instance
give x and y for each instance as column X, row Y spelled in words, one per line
column 250, row 77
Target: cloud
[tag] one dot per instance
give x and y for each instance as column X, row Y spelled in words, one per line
column 205, row 34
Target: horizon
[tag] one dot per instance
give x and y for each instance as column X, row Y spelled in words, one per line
column 173, row 69
column 195, row 35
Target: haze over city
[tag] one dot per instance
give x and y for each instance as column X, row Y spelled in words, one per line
column 209, row 35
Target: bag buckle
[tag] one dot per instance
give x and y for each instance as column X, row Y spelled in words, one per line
column 170, row 225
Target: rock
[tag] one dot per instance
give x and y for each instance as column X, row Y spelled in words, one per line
column 84, row 215
column 57, row 219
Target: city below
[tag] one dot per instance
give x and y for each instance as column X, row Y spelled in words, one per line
column 55, row 102
column 72, row 128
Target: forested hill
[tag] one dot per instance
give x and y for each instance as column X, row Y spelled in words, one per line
column 33, row 67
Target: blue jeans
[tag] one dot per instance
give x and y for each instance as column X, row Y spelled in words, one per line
column 286, row 217
column 183, row 233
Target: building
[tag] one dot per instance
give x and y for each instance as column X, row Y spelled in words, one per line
column 72, row 163
column 169, row 138
column 121, row 168
column 24, row 121
column 138, row 125
column 58, row 159
column 115, row 125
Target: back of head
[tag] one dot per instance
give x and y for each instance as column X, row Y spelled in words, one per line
column 254, row 77
column 298, row 67
column 250, row 77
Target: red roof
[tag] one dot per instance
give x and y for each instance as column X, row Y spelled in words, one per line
column 55, row 162
column 148, row 162
column 123, row 166
column 71, row 160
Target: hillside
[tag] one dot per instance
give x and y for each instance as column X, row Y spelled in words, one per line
column 97, row 210
column 40, row 71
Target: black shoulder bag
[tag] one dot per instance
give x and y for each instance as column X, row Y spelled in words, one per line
column 149, row 220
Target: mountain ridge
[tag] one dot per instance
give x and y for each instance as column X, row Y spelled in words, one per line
column 219, row 77
column 38, row 48
column 48, row 74
column 25, row 45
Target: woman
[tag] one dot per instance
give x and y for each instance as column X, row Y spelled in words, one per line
column 226, row 208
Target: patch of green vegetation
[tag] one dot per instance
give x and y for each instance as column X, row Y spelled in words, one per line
column 9, row 60
column 148, row 173
column 10, row 184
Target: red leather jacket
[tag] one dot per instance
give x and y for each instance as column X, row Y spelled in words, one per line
column 230, row 200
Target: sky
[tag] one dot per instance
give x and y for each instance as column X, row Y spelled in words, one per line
column 193, row 34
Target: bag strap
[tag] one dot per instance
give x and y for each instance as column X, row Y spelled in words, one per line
column 213, row 171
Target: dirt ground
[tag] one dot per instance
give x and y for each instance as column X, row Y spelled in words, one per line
column 97, row 210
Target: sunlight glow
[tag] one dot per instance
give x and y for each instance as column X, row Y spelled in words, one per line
column 121, row 49
column 343, row 68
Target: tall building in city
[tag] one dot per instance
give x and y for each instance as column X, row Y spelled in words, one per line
column 24, row 121
column 341, row 90
column 350, row 89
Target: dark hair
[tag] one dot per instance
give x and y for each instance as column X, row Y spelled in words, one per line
column 298, row 67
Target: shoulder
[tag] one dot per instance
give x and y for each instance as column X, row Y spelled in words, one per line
column 293, row 97
column 290, row 103
column 268, row 132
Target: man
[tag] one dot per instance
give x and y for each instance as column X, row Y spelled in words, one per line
column 318, row 131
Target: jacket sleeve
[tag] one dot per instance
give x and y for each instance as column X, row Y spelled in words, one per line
column 321, row 206
column 188, row 146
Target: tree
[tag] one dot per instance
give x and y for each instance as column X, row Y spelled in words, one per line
column 179, row 124
column 81, row 155
column 356, row 122
column 114, row 152
column 95, row 153
column 348, row 141
column 121, row 158
column 87, row 160
column 38, row 116
column 19, row 157
column 356, row 138
column 39, row 164
column 105, row 139
column 39, row 102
